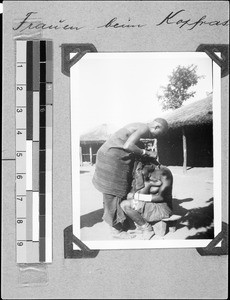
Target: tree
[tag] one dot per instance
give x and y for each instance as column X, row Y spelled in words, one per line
column 176, row 91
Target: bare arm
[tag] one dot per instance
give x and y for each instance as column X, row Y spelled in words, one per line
column 164, row 190
column 148, row 185
column 130, row 144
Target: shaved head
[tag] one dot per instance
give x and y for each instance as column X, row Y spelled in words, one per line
column 163, row 122
column 158, row 127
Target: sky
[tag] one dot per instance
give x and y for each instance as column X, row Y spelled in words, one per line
column 121, row 88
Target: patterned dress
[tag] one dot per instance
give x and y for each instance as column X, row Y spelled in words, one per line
column 114, row 166
column 113, row 175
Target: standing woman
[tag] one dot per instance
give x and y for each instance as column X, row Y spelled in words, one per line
column 114, row 167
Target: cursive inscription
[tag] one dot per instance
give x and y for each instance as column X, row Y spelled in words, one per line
column 114, row 24
column 29, row 24
column 175, row 19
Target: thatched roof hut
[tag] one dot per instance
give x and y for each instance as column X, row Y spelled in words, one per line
column 189, row 141
column 91, row 141
column 193, row 114
column 97, row 135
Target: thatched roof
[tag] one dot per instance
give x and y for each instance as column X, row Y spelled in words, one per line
column 98, row 135
column 194, row 114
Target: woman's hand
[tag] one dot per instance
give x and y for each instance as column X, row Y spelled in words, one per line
column 152, row 154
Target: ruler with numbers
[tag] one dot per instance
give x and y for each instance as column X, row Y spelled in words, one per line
column 34, row 151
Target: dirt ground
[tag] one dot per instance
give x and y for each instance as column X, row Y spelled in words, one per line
column 192, row 200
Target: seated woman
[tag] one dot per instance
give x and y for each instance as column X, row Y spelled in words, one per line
column 150, row 199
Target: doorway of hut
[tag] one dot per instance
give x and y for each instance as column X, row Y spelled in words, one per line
column 88, row 152
column 199, row 147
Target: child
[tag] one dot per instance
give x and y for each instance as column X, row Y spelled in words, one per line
column 150, row 197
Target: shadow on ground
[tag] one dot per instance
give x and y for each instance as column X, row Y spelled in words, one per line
column 201, row 217
column 92, row 218
column 177, row 208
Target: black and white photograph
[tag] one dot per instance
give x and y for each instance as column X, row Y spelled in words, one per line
column 143, row 154
column 115, row 130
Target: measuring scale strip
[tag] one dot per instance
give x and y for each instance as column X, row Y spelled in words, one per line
column 34, row 151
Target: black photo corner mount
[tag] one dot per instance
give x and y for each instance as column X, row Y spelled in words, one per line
column 223, row 61
column 79, row 49
column 67, row 63
column 217, row 251
column 69, row 252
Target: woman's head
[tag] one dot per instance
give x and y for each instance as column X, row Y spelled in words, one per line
column 158, row 127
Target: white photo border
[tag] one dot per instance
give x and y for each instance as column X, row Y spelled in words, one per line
column 75, row 164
